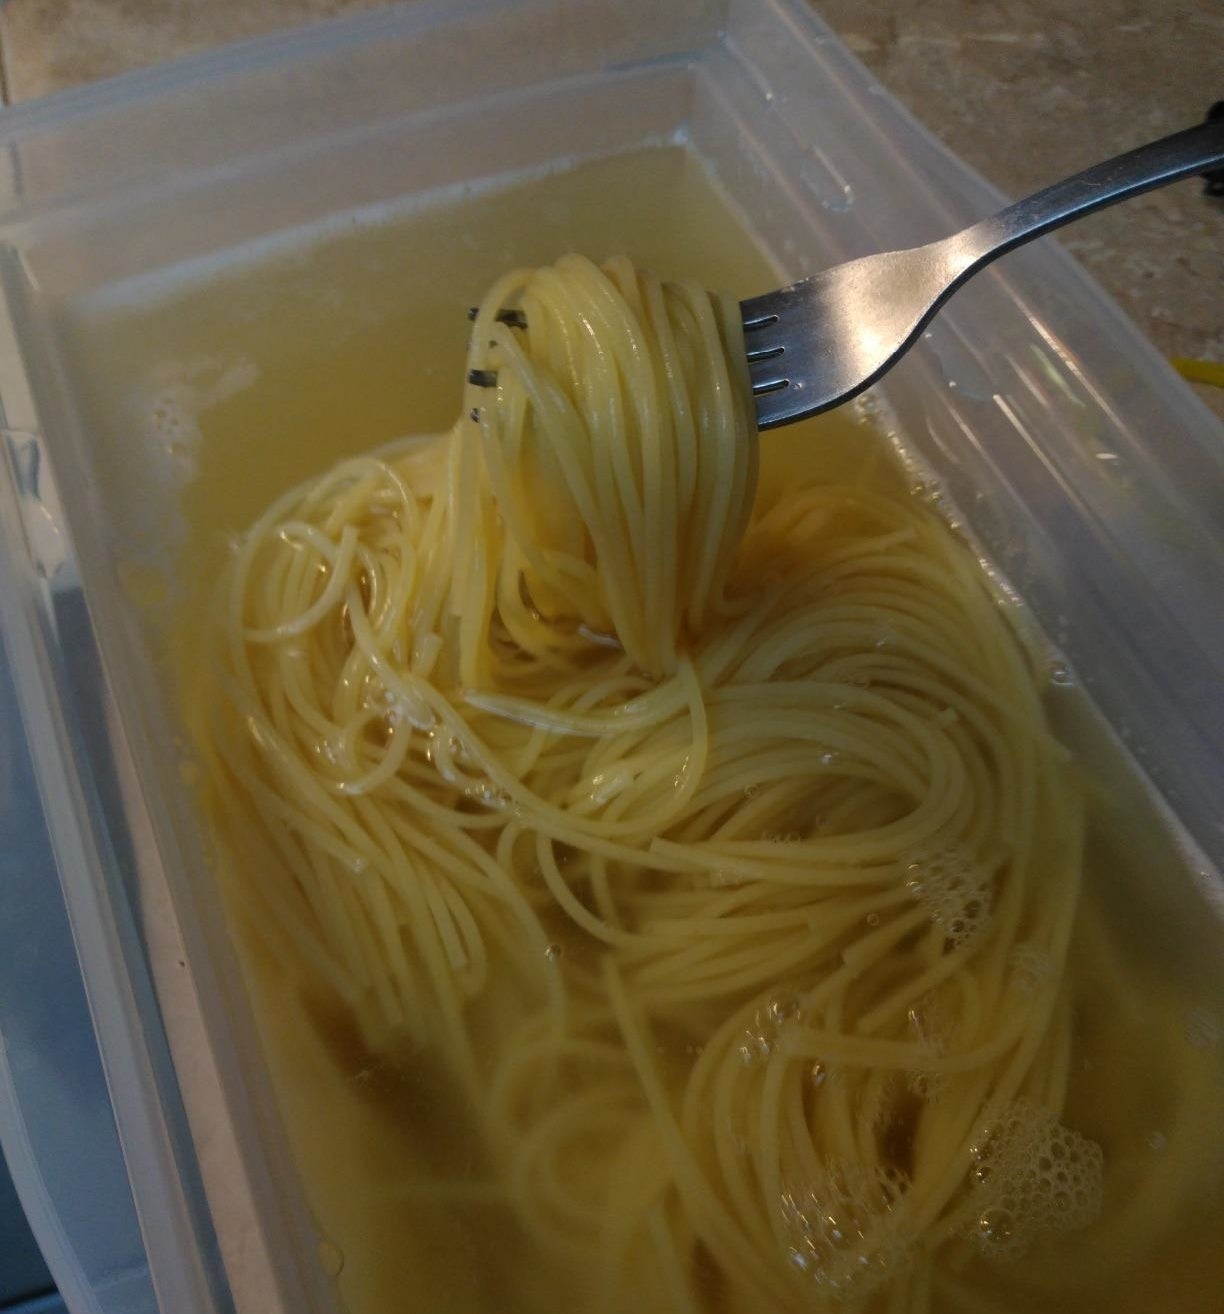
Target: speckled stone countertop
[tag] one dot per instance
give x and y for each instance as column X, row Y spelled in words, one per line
column 1026, row 91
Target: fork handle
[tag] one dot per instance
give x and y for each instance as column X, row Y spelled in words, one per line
column 1193, row 150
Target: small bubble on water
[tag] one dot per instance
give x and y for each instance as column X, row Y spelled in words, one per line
column 1158, row 1142
column 819, row 1074
column 872, row 919
column 768, row 1024
column 489, row 796
column 751, row 791
column 554, row 952
column 783, row 1008
column 995, row 1226
column 829, row 757
column 332, row 750
column 331, row 1257
column 1060, row 674
column 753, row 1051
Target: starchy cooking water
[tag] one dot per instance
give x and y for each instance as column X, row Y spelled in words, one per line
column 267, row 371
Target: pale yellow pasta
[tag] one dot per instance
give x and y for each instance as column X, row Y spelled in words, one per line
column 717, row 850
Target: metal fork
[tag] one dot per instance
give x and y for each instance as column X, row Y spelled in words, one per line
column 821, row 341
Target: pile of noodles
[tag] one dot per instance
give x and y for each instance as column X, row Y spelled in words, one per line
column 716, row 850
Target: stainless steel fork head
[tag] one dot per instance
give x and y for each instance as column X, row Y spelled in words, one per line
column 821, row 341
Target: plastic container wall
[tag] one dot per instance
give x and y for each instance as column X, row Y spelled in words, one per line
column 56, row 1123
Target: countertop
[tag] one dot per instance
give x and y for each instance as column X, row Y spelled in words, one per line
column 1026, row 91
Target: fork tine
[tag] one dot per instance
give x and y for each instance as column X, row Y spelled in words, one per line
column 768, row 375
column 759, row 312
column 761, row 316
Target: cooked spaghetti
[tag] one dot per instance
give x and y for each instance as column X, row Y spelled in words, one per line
column 712, row 849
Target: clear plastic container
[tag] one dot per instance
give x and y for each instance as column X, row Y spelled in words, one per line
column 56, row 1122
column 1087, row 472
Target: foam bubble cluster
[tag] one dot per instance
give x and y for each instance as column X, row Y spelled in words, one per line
column 179, row 392
column 954, row 888
column 842, row 1232
column 1032, row 1174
